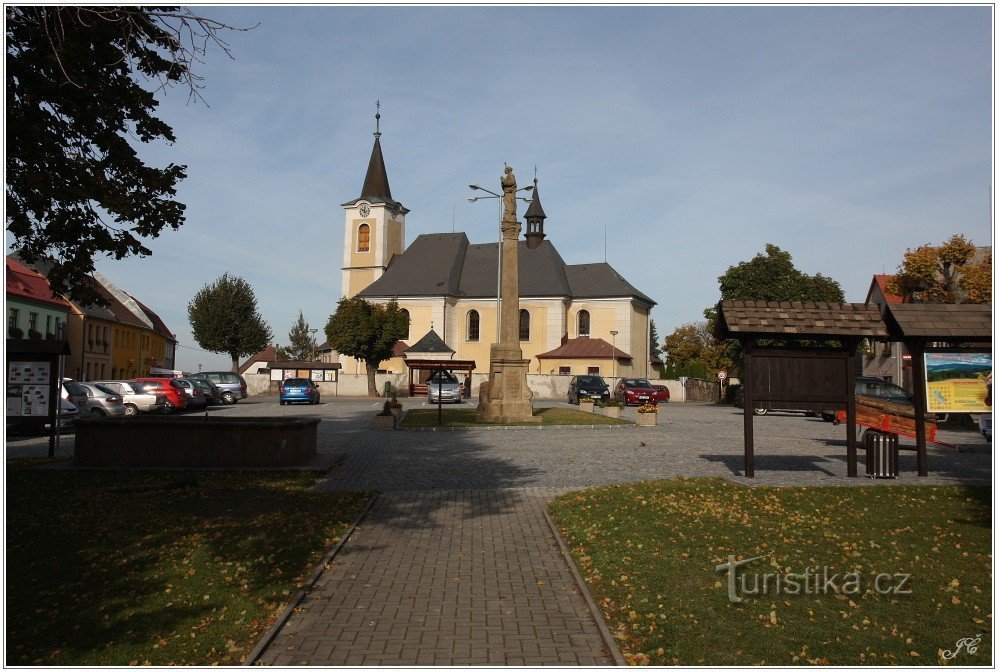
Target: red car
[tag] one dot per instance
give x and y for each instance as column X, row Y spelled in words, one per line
column 176, row 396
column 661, row 394
column 635, row 392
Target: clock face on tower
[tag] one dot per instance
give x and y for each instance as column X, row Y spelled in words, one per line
column 365, row 210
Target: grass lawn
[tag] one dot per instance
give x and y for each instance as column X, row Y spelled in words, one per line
column 649, row 551
column 465, row 417
column 163, row 568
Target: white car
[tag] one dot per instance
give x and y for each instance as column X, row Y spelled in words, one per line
column 134, row 396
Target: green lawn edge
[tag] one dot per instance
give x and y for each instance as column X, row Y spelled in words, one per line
column 648, row 553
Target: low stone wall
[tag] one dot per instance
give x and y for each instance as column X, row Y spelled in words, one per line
column 171, row 442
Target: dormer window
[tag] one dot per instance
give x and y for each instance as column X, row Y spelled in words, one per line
column 364, row 238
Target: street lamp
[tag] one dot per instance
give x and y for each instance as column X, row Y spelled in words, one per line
column 474, row 199
column 613, row 337
column 313, row 332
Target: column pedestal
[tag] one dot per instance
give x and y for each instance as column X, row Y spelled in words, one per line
column 505, row 397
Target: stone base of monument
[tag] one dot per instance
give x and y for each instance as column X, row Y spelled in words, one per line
column 505, row 397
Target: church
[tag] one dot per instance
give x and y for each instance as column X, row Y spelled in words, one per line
column 574, row 318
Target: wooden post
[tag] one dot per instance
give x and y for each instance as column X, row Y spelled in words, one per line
column 851, row 469
column 748, row 411
column 917, row 349
column 410, row 381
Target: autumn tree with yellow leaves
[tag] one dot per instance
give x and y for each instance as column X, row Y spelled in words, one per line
column 954, row 272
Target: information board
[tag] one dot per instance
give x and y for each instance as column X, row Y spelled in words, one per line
column 956, row 382
column 28, row 388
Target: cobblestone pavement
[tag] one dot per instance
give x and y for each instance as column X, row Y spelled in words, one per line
column 459, row 577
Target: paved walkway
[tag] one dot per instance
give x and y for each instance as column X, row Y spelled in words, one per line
column 469, row 577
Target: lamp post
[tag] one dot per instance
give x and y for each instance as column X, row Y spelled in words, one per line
column 313, row 332
column 473, row 199
column 613, row 338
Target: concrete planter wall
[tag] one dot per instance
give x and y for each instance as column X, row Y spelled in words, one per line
column 587, row 406
column 647, row 419
column 398, row 413
column 384, row 422
column 170, row 442
column 610, row 411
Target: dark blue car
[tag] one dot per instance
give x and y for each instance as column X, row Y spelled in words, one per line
column 299, row 389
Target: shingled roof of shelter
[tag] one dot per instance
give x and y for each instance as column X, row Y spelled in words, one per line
column 939, row 321
column 446, row 264
column 431, row 342
column 799, row 319
column 585, row 348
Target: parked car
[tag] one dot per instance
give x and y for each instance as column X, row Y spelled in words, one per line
column 210, row 390
column 68, row 412
column 588, row 387
column 635, row 392
column 662, row 394
column 232, row 385
column 176, row 398
column 95, row 400
column 135, row 398
column 877, row 388
column 739, row 402
column 443, row 386
column 299, row 389
column 195, row 397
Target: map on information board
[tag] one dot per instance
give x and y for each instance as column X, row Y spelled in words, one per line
column 28, row 388
column 956, row 382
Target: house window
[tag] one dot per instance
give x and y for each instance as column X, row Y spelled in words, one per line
column 32, row 321
column 364, row 238
column 524, row 325
column 48, row 324
column 564, row 370
column 474, row 324
column 88, row 371
column 113, row 372
column 584, row 323
column 593, row 370
column 12, row 314
column 104, row 331
column 407, row 323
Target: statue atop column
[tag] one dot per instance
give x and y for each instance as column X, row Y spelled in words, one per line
column 510, row 224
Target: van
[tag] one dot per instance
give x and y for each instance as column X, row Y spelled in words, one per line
column 231, row 386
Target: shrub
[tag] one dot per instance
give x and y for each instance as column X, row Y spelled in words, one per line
column 387, row 410
column 647, row 408
column 34, row 335
column 16, row 332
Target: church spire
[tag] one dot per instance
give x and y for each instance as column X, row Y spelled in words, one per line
column 535, row 219
column 376, row 187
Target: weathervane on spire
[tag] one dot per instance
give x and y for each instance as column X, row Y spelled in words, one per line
column 377, row 119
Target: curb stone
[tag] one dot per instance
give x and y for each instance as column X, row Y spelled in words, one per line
column 322, row 566
column 491, row 428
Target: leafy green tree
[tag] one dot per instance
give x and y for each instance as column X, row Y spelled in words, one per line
column 693, row 351
column 302, row 344
column 655, row 350
column 954, row 272
column 366, row 331
column 224, row 318
column 81, row 93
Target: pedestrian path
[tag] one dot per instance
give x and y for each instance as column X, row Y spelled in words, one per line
column 446, row 577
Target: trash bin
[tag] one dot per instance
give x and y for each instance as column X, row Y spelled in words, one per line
column 881, row 454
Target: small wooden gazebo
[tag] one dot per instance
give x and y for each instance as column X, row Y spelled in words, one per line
column 791, row 361
column 936, row 327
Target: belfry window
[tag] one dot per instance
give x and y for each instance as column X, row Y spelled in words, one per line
column 583, row 324
column 407, row 323
column 524, row 325
column 364, row 238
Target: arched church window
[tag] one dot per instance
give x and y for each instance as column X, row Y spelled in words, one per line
column 364, row 238
column 473, row 325
column 584, row 323
column 524, row 325
column 407, row 322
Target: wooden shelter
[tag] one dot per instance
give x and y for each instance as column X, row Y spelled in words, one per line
column 936, row 327
column 790, row 363
column 432, row 365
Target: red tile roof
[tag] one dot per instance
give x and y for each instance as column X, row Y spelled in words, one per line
column 881, row 282
column 25, row 283
column 399, row 348
column 268, row 354
column 585, row 348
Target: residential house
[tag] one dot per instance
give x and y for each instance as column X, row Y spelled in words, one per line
column 33, row 310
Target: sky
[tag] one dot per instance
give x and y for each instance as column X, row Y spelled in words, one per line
column 692, row 135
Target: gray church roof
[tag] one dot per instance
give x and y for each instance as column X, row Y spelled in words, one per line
column 431, row 342
column 446, row 264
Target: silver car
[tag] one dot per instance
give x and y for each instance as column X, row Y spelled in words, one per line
column 443, row 387
column 95, row 400
column 195, row 395
column 134, row 396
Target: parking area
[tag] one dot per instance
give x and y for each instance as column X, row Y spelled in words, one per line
column 690, row 440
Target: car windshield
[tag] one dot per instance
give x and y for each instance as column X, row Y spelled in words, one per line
column 637, row 382
column 591, row 381
column 442, row 377
column 106, row 390
column 297, row 382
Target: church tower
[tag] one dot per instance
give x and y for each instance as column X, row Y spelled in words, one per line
column 535, row 219
column 374, row 230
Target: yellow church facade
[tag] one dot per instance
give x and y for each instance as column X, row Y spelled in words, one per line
column 574, row 318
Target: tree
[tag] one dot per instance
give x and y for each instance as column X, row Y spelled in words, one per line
column 954, row 272
column 81, row 89
column 224, row 318
column 367, row 331
column 654, row 350
column 693, row 351
column 302, row 344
